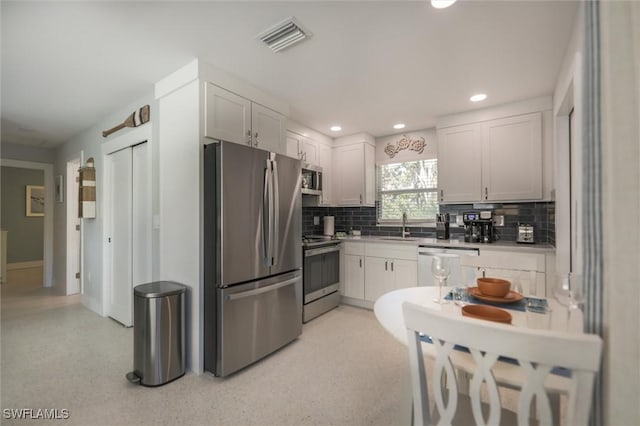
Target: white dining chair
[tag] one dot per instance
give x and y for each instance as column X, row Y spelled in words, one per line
column 536, row 351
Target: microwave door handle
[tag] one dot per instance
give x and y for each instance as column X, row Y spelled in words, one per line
column 276, row 213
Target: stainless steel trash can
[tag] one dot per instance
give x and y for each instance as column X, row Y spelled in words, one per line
column 158, row 333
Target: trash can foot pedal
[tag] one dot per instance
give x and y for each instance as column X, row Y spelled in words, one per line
column 133, row 378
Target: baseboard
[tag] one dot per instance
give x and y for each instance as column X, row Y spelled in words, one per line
column 25, row 265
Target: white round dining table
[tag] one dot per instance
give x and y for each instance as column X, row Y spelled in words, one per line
column 388, row 312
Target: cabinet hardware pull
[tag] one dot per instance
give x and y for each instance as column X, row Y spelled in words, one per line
column 441, row 195
column 391, row 266
column 385, row 265
column 486, row 193
column 249, row 138
column 256, row 139
column 361, row 262
column 360, row 198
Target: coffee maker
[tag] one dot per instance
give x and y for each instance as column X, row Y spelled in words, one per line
column 478, row 227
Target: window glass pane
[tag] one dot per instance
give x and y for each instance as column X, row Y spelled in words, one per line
column 410, row 175
column 409, row 187
column 419, row 205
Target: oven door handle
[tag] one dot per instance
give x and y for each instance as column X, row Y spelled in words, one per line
column 321, row 250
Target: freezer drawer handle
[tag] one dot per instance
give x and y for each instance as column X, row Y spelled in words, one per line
column 261, row 290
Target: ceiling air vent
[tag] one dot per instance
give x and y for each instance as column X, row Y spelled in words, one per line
column 283, row 35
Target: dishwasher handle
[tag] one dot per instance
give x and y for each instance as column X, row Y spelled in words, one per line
column 434, row 251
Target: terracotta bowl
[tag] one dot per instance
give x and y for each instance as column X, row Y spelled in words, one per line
column 495, row 287
column 488, row 313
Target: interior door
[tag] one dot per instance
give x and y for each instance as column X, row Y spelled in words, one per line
column 73, row 228
column 120, row 240
column 129, row 201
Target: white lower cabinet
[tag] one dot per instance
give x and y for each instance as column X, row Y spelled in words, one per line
column 353, row 276
column 352, row 280
column 389, row 267
column 526, row 271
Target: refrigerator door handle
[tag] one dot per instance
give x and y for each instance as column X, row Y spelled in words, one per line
column 276, row 212
column 261, row 290
column 267, row 209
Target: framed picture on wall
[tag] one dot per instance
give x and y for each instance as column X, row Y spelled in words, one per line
column 59, row 189
column 35, row 200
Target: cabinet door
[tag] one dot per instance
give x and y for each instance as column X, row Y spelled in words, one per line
column 369, row 175
column 354, row 276
column 227, row 115
column 405, row 273
column 512, row 158
column 460, row 163
column 310, row 151
column 269, row 129
column 294, row 144
column 378, row 278
column 349, row 174
column 325, row 161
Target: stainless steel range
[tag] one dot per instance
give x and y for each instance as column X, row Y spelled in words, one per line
column 321, row 275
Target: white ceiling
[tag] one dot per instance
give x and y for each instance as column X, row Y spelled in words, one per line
column 67, row 65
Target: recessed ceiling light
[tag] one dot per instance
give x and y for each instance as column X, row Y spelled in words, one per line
column 398, row 126
column 441, row 4
column 336, row 128
column 479, row 97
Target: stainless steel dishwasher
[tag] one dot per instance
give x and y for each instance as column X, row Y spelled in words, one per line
column 459, row 274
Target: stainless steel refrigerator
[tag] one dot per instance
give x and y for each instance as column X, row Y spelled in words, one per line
column 252, row 255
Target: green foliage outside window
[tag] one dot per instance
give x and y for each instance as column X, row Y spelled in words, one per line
column 410, row 187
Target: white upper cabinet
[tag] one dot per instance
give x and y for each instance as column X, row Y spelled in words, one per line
column 310, row 151
column 354, row 175
column 294, row 144
column 459, row 163
column 233, row 118
column 512, row 158
column 496, row 160
column 325, row 161
column 269, row 128
column 227, row 115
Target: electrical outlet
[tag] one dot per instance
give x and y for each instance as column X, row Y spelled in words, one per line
column 316, row 220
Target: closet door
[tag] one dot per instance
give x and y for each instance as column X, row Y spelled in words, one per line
column 129, row 211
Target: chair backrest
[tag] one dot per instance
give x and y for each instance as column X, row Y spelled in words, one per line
column 537, row 353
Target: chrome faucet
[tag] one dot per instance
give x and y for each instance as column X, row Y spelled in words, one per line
column 405, row 233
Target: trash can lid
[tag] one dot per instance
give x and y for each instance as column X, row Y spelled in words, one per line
column 159, row 289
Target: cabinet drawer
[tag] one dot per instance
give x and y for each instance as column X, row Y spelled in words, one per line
column 392, row 251
column 506, row 260
column 353, row 248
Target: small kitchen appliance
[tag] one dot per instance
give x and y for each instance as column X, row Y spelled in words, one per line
column 311, row 180
column 329, row 226
column 525, row 233
column 442, row 226
column 478, row 227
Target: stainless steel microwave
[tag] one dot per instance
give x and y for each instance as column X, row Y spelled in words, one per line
column 311, row 179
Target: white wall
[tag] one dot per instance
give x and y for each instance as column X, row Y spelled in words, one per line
column 86, row 145
column 620, row 109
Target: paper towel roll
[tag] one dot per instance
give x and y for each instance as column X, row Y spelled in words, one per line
column 329, row 222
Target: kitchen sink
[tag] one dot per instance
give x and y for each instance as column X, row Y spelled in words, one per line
column 398, row 239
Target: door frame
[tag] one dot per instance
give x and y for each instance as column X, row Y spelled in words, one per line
column 72, row 166
column 134, row 137
column 47, row 254
column 568, row 245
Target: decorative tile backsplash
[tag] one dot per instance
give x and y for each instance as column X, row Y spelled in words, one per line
column 541, row 215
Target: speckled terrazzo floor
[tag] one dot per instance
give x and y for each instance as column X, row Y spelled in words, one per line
column 343, row 370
